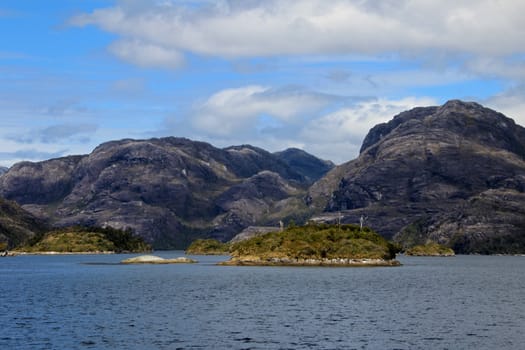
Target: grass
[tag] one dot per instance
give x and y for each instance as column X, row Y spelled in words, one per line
column 79, row 239
column 317, row 241
column 430, row 249
column 208, row 247
column 72, row 242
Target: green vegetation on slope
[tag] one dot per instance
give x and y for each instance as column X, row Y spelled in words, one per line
column 79, row 239
column 208, row 247
column 430, row 249
column 317, row 241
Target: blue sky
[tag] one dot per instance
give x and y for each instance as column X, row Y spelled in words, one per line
column 311, row 74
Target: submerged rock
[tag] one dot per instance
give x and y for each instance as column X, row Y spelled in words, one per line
column 152, row 259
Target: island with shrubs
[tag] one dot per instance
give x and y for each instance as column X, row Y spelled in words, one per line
column 84, row 240
column 208, row 246
column 315, row 245
column 429, row 249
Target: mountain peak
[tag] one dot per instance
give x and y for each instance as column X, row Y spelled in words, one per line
column 453, row 174
column 466, row 120
column 303, row 162
column 460, row 105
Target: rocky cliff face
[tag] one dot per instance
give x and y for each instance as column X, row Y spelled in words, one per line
column 168, row 190
column 454, row 174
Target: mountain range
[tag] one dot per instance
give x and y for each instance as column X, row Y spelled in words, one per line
column 452, row 174
column 169, row 190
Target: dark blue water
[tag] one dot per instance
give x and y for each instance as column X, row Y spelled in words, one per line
column 60, row 302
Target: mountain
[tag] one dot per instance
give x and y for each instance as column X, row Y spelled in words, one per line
column 17, row 225
column 3, row 169
column 311, row 167
column 168, row 190
column 453, row 174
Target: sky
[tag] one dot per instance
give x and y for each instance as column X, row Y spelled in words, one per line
column 311, row 74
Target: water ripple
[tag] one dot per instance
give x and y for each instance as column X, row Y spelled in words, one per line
column 69, row 303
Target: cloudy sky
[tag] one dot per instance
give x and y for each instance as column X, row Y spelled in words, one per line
column 312, row 74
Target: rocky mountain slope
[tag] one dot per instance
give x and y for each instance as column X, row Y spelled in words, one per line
column 453, row 174
column 17, row 225
column 311, row 167
column 169, row 191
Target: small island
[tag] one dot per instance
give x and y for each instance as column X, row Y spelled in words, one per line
column 208, row 247
column 152, row 259
column 429, row 249
column 315, row 245
column 84, row 240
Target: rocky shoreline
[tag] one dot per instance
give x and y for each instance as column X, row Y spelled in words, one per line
column 341, row 262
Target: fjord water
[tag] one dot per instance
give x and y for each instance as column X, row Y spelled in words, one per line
column 92, row 302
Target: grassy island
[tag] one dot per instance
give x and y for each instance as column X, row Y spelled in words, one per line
column 86, row 240
column 316, row 245
column 208, row 247
column 430, row 249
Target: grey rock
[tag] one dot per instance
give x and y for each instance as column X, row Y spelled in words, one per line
column 253, row 231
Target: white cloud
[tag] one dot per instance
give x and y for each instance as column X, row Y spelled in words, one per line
column 339, row 135
column 147, row 54
column 232, row 110
column 511, row 103
column 312, row 27
column 513, row 69
column 232, row 118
